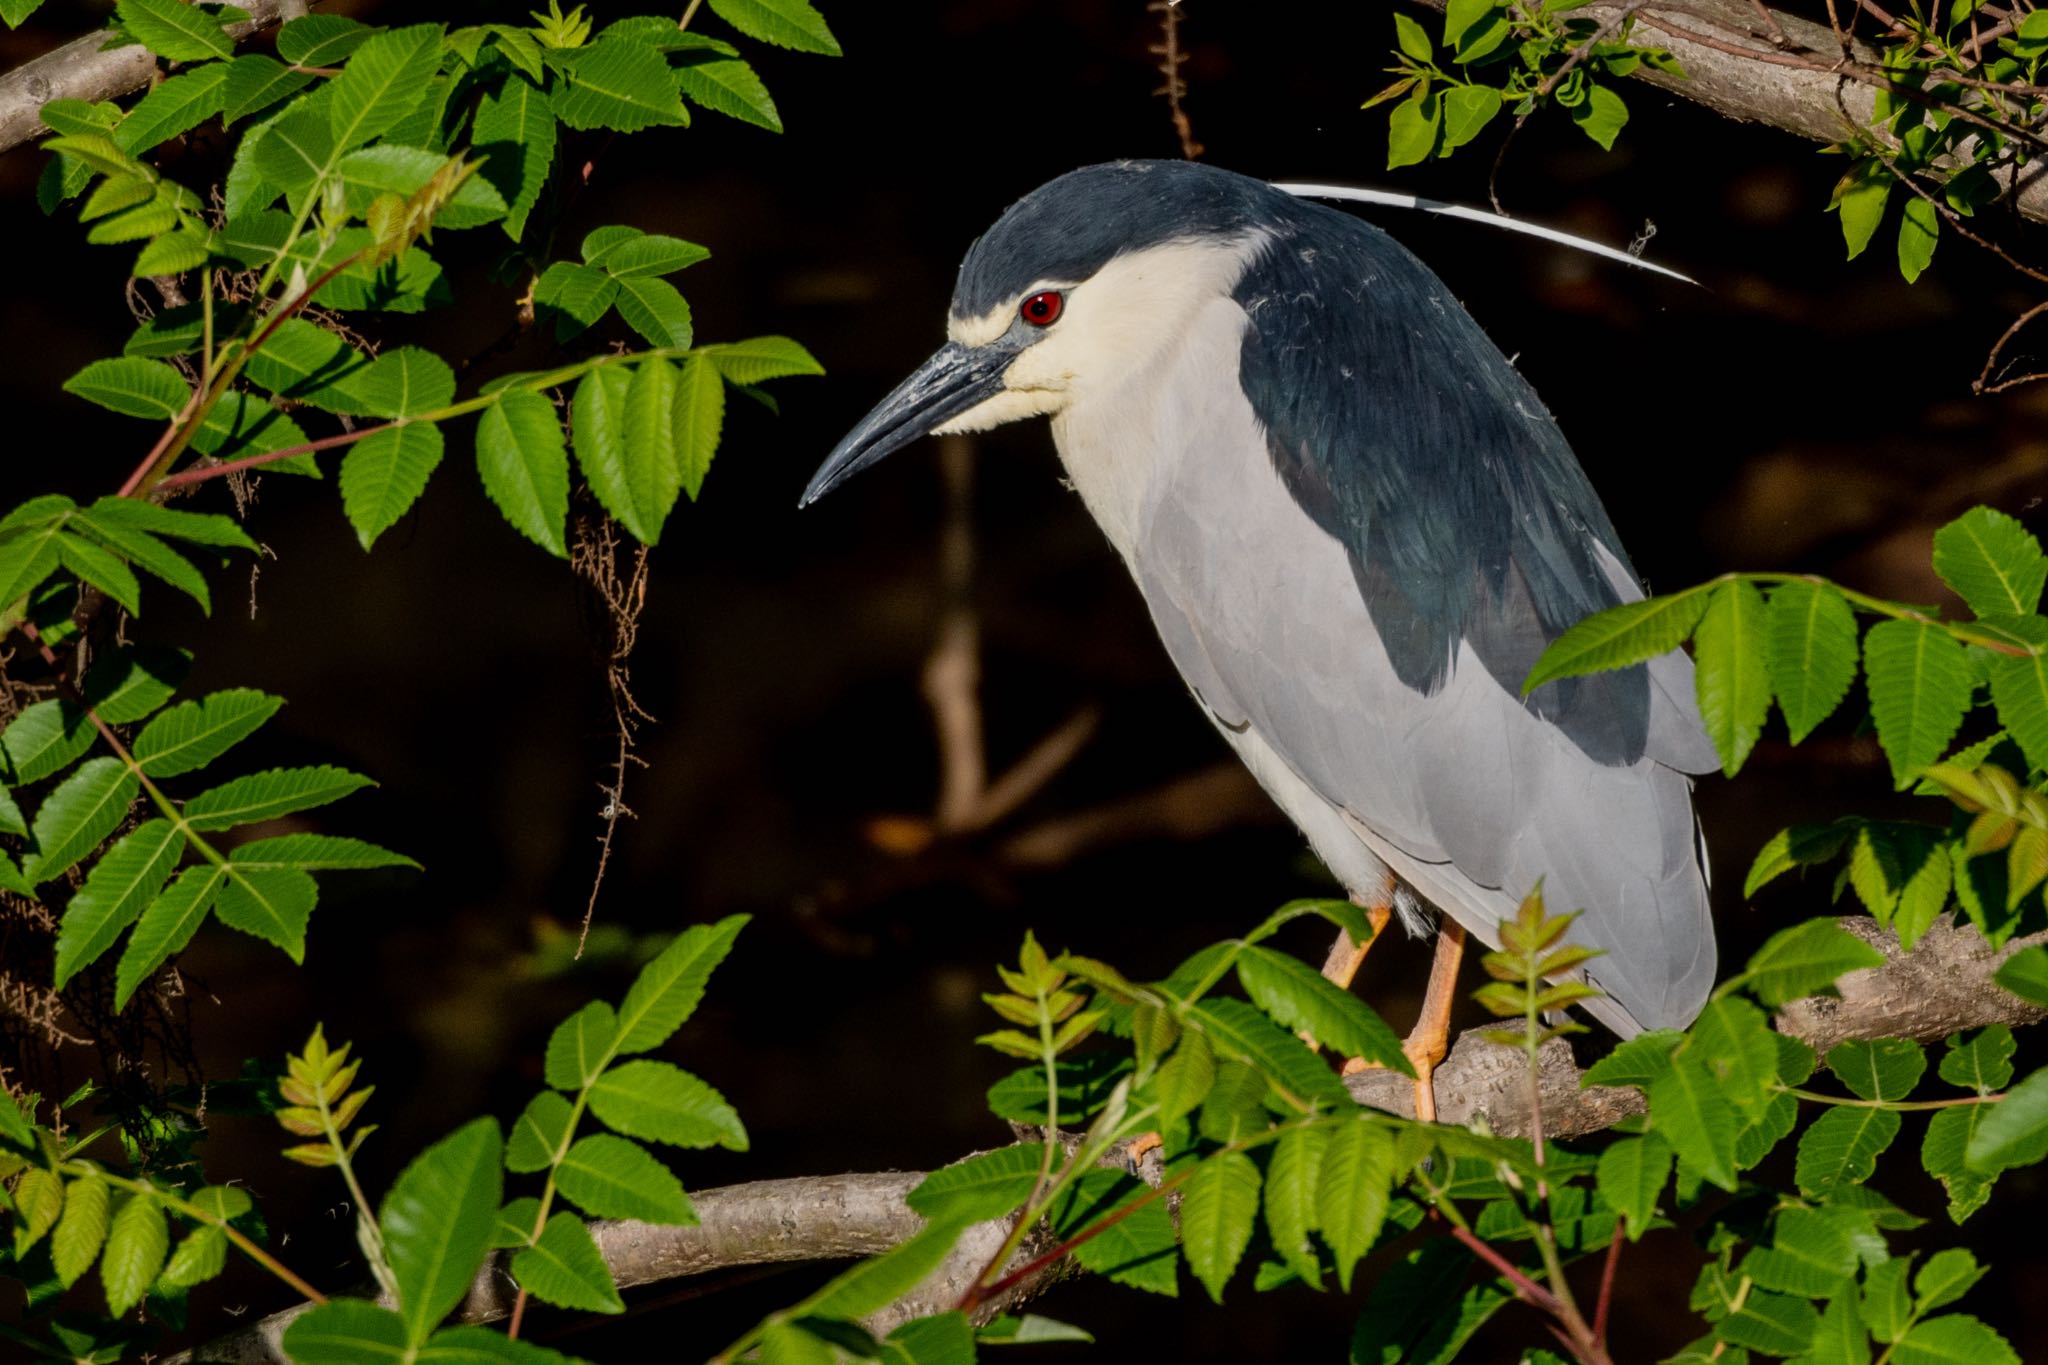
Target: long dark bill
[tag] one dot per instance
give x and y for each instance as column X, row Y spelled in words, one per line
column 951, row 382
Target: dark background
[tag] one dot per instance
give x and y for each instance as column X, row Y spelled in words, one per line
column 1795, row 412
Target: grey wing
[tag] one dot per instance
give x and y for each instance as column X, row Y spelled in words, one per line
column 1466, row 792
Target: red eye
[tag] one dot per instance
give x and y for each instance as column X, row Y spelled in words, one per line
column 1042, row 309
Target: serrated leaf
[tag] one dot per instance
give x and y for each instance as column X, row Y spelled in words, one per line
column 1842, row 1146
column 515, row 1224
column 122, row 883
column 273, row 904
column 80, row 1232
column 609, row 1177
column 785, row 23
column 269, row 794
column 1811, row 1255
column 137, row 1239
column 580, row 1045
column 2019, row 689
column 2025, row 974
column 107, row 572
column 1954, row 1339
column 384, row 474
column 664, row 1103
column 729, row 86
column 1184, row 1079
column 317, row 852
column 1884, row 1069
column 655, row 310
column 201, row 528
column 514, row 131
column 1919, row 681
column 388, row 168
column 1238, row 1031
column 574, row 296
column 173, row 106
column 640, row 253
column 986, row 1185
column 1981, row 1060
column 523, row 460
column 2015, row 1133
column 181, row 32
column 38, row 1202
column 1139, row 1249
column 321, row 39
column 881, row 1280
column 762, row 358
column 132, row 386
column 201, row 1256
column 437, row 1222
column 538, row 1135
column 1300, row 997
column 1217, row 1206
column 1629, row 634
column 667, row 990
column 699, row 416
column 254, row 83
column 617, row 84
column 345, row 1331
column 1810, row 652
column 1632, row 1174
column 1686, row 1106
column 166, row 927
column 1416, row 1313
column 84, row 809
column 386, row 76
column 1734, row 688
column 1354, row 1185
column 193, row 734
column 1774, row 1323
column 1992, row 563
column 124, row 685
column 1733, row 1041
column 407, row 381
column 564, row 1268
column 43, row 740
column 1293, row 1195
column 1807, row 958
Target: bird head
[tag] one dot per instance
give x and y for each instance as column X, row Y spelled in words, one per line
column 1077, row 287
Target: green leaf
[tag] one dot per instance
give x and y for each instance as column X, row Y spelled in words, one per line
column 173, row 106
column 1774, row 1323
column 254, row 83
column 668, row 989
column 273, row 904
column 346, row 1331
column 1632, row 1174
column 537, row 1138
column 1734, row 688
column 1600, row 116
column 1139, row 1249
column 1411, row 38
column 1299, row 997
column 785, row 23
column 1185, row 1078
column 515, row 1224
column 947, row 1339
column 1636, row 1062
column 575, row 297
column 267, row 795
column 523, row 460
column 2015, row 1133
column 1841, row 1338
column 295, row 152
column 1860, row 201
column 201, row 528
column 1416, row 1314
column 466, row 1345
column 132, row 386
column 38, row 1200
column 1811, row 1255
column 655, row 310
column 1919, row 682
column 616, row 84
column 17, row 12
column 178, row 31
column 1810, row 652
column 1806, row 958
column 43, row 740
column 580, row 1046
column 384, row 474
column 514, row 131
column 986, row 1185
column 193, row 734
column 609, row 1177
column 1687, row 1108
column 2025, row 973
column 2019, row 689
column 1991, row 562
column 1217, row 1207
column 316, row 852
column 437, row 1222
column 664, row 1103
column 126, row 684
column 1885, row 1069
column 1842, row 1146
column 321, row 39
column 121, row 884
column 1954, row 1339
column 1620, row 636
column 1238, row 1031
column 1947, row 1276
column 370, row 172
column 84, row 809
column 386, row 75
column 1412, row 127
column 137, row 1239
column 405, row 382
column 1353, row 1188
column 1293, row 1189
column 1979, row 1061
column 1919, row 232
column 640, row 253
column 201, row 1256
column 727, row 85
column 881, row 1280
column 699, row 417
column 1467, row 111
column 166, row 927
column 75, row 1244
column 760, row 358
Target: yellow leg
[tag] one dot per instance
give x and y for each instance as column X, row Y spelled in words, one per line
column 1430, row 1040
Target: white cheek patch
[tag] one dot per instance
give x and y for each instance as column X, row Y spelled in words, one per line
column 984, row 329
column 1011, row 405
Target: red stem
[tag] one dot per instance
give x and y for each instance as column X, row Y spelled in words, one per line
column 1528, row 1289
column 200, row 474
column 1607, row 1284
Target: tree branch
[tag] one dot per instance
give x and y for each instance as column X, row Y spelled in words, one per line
column 79, row 70
column 1943, row 985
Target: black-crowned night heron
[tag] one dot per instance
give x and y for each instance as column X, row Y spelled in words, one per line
column 1356, row 527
